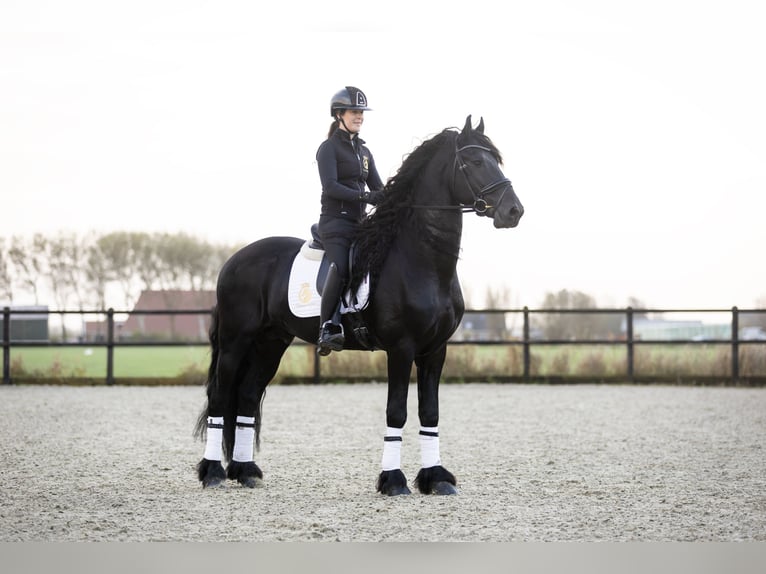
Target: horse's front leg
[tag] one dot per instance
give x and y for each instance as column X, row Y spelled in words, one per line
column 392, row 480
column 432, row 478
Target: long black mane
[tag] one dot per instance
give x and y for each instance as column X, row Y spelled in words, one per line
column 380, row 228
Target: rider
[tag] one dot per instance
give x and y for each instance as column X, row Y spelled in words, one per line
column 345, row 167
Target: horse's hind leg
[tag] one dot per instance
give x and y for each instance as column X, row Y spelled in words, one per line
column 263, row 362
column 221, row 402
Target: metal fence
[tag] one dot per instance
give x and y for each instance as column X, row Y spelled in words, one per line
column 524, row 338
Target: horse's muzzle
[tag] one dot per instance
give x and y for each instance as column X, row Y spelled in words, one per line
column 509, row 212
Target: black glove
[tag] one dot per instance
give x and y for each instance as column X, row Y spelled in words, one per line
column 372, row 197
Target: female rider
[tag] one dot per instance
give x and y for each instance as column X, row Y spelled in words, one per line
column 345, row 167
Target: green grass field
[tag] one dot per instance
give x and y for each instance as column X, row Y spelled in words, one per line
column 473, row 362
column 133, row 362
column 91, row 361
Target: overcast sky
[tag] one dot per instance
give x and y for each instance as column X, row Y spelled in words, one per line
column 634, row 132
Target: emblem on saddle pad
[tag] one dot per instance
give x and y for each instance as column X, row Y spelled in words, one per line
column 304, row 294
column 307, row 273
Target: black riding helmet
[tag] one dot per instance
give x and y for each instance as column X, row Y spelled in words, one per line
column 349, row 98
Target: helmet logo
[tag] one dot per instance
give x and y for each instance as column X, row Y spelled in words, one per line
column 361, row 101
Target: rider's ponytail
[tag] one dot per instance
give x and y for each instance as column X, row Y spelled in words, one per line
column 333, row 126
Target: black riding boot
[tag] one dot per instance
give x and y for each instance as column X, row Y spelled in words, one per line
column 330, row 328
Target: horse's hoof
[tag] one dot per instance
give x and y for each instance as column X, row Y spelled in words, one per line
column 210, row 473
column 443, row 487
column 246, row 473
column 250, row 482
column 398, row 491
column 436, row 480
column 213, row 482
column 392, row 483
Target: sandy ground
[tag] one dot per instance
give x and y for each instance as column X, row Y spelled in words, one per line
column 533, row 463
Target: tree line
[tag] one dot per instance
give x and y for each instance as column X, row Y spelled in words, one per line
column 95, row 271
column 79, row 272
column 82, row 271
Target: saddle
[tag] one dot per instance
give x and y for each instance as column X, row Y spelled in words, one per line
column 307, row 279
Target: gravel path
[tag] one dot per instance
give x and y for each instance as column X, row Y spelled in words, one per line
column 534, row 463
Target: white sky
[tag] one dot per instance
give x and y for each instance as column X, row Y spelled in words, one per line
column 634, row 132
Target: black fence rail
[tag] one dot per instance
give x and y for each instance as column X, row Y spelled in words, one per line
column 524, row 337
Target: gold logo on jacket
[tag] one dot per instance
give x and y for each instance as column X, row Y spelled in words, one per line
column 366, row 163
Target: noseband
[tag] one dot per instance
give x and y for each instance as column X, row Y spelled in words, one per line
column 480, row 205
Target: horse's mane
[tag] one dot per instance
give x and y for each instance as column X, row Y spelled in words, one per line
column 379, row 229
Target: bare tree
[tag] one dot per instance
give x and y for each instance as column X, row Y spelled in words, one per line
column 96, row 272
column 67, row 256
column 122, row 263
column 80, row 269
column 29, row 262
column 201, row 258
column 575, row 325
column 6, row 282
column 187, row 262
column 149, row 262
column 499, row 298
column 636, row 303
column 177, row 255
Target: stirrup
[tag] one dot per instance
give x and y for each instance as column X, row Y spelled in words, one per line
column 328, row 340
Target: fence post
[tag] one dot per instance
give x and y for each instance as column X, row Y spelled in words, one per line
column 6, row 345
column 317, row 372
column 526, row 344
column 110, row 346
column 734, row 344
column 629, row 337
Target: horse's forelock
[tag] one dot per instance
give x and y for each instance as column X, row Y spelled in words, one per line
column 475, row 137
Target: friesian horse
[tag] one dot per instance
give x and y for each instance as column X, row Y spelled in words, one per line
column 408, row 247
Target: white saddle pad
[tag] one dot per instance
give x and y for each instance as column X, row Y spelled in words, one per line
column 302, row 295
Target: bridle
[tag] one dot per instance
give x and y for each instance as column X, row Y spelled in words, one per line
column 480, row 205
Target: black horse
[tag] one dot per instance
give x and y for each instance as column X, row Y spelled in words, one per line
column 409, row 248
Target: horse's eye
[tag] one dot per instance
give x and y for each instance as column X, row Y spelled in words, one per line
column 477, row 162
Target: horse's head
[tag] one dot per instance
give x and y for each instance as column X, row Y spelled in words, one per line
column 479, row 182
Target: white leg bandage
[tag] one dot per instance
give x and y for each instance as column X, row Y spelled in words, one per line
column 244, row 436
column 392, row 449
column 429, row 447
column 214, row 443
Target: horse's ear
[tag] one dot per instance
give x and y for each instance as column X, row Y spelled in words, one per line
column 480, row 127
column 467, row 127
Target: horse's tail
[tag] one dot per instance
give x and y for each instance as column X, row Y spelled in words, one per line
column 200, row 429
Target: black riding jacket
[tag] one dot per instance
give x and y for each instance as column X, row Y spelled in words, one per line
column 345, row 166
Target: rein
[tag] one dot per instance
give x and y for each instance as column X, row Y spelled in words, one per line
column 480, row 205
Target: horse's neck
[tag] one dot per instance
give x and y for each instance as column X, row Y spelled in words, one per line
column 430, row 235
column 432, row 238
